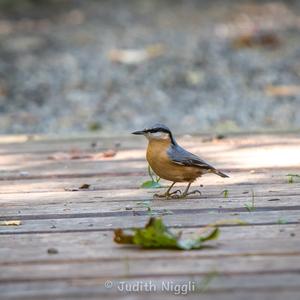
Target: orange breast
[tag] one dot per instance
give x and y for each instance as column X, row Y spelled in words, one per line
column 161, row 164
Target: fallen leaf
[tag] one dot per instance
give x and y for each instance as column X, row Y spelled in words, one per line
column 256, row 39
column 281, row 221
column 291, row 177
column 151, row 184
column 282, row 90
column 10, row 223
column 157, row 235
column 71, row 189
column 73, row 154
column 225, row 193
column 84, row 186
column 52, row 251
column 94, row 126
column 59, row 156
column 109, row 153
column 135, row 56
column 79, row 154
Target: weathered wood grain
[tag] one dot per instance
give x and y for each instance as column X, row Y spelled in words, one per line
column 146, row 267
column 230, row 154
column 65, row 223
column 247, row 180
column 270, row 286
column 211, row 199
column 240, row 240
column 90, row 208
column 255, row 260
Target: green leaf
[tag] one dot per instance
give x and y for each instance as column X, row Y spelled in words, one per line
column 153, row 183
column 150, row 184
column 294, row 175
column 225, row 193
column 249, row 207
column 281, row 221
column 198, row 243
column 291, row 177
column 157, row 235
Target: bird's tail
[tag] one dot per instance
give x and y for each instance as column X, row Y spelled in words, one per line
column 219, row 173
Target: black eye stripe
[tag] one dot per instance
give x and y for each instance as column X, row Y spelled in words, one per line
column 157, row 130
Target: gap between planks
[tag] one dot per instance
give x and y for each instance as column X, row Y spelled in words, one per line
column 160, row 212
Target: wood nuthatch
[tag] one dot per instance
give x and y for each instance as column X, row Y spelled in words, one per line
column 171, row 162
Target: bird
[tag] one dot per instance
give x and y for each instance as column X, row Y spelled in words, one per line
column 171, row 162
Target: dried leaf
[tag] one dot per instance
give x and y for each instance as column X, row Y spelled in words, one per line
column 79, row 154
column 84, row 186
column 157, row 235
column 109, row 153
column 257, row 39
column 10, row 223
column 135, row 56
column 52, row 251
column 59, row 156
column 282, row 90
column 123, row 238
column 73, row 154
column 94, row 126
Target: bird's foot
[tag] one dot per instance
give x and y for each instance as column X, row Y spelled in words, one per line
column 194, row 192
column 168, row 195
column 184, row 195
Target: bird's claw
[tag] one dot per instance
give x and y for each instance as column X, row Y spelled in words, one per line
column 168, row 195
column 159, row 195
column 194, row 192
column 175, row 192
column 184, row 195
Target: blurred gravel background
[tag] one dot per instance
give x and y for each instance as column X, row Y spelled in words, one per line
column 115, row 65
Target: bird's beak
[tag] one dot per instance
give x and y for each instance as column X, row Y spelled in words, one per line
column 139, row 132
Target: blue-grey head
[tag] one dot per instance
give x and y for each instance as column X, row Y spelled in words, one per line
column 157, row 132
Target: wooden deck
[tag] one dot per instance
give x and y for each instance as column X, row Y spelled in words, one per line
column 63, row 248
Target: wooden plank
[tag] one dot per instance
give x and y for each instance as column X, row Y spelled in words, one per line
column 226, row 149
column 212, row 199
column 85, row 209
column 258, row 260
column 148, row 267
column 70, row 209
column 42, row 143
column 229, row 287
column 208, row 191
column 225, row 154
column 93, row 167
column 45, row 146
column 260, row 240
column 238, row 180
column 91, row 223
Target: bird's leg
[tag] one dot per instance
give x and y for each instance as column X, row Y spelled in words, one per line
column 185, row 193
column 167, row 194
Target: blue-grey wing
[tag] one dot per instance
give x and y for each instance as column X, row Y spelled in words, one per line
column 180, row 156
